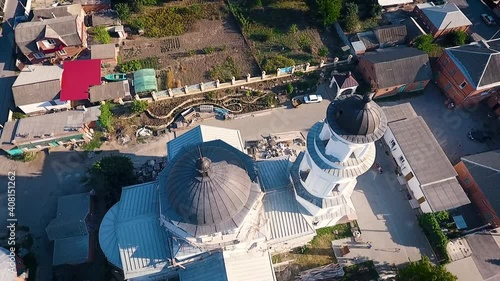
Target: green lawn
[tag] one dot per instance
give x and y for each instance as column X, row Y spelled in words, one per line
column 320, row 251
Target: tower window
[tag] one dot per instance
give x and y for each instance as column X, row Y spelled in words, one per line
column 401, row 159
column 463, row 85
column 393, row 143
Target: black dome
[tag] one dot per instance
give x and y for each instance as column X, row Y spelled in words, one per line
column 207, row 185
column 356, row 119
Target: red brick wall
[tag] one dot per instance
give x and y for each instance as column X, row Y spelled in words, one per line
column 475, row 195
column 433, row 29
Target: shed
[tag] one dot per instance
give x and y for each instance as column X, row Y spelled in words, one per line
column 145, row 80
column 107, row 53
column 110, row 91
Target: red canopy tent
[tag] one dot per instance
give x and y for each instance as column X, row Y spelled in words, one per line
column 77, row 77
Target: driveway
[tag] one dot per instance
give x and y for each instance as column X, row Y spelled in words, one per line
column 473, row 10
column 386, row 219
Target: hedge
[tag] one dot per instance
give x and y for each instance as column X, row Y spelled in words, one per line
column 437, row 238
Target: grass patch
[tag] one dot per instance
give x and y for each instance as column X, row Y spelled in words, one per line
column 101, row 35
column 25, row 157
column 320, row 251
column 364, row 271
column 224, row 71
column 174, row 21
column 134, row 65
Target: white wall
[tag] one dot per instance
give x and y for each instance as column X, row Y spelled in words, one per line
column 413, row 184
column 44, row 106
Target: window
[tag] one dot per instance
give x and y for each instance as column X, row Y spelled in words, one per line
column 401, row 159
column 39, row 55
column 463, row 85
column 445, row 61
column 447, row 87
column 62, row 52
column 51, row 41
column 409, row 176
column 453, row 71
column 393, row 143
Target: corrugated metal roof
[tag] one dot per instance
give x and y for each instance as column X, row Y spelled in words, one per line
column 391, row 34
column 204, row 133
column 422, row 151
column 209, row 268
column 145, row 80
column 103, row 51
column 445, row 195
column 138, row 200
column 248, row 266
column 57, row 12
column 75, row 86
column 70, row 219
column 447, row 16
column 285, row 222
column 399, row 112
column 385, row 3
column 274, row 174
column 107, row 236
column 109, row 91
column 32, row 74
column 72, row 250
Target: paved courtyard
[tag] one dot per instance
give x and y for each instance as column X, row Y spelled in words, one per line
column 386, row 219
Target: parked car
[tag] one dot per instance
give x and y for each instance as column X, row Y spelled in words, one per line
column 479, row 136
column 489, row 20
column 313, row 99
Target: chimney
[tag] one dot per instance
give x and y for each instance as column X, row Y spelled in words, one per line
column 349, row 74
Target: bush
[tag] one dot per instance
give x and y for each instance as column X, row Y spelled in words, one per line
column 323, row 51
column 101, row 35
column 123, row 11
column 208, row 50
column 457, row 38
column 289, row 88
column 293, row 29
column 139, row 106
column 270, row 100
column 425, row 43
column 26, row 156
column 271, row 64
column 130, row 66
column 94, row 143
column 170, row 79
column 18, row 115
column 224, row 71
column 329, row 11
column 106, row 117
column 352, row 18
column 437, row 238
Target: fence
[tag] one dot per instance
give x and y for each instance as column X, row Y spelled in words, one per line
column 216, row 85
column 344, row 39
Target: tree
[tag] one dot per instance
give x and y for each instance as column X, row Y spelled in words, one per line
column 101, row 35
column 329, row 10
column 106, row 117
column 110, row 174
column 425, row 43
column 123, row 11
column 424, row 270
column 457, row 38
column 323, row 51
column 139, row 106
column 352, row 17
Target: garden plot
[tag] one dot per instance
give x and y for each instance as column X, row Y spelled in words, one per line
column 192, row 55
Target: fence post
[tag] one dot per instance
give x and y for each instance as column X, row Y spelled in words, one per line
column 277, row 72
column 169, row 91
column 202, row 87
column 263, row 74
column 335, row 61
column 233, row 80
column 307, row 66
column 293, row 69
column 349, row 58
column 186, row 89
column 248, row 77
column 217, row 83
column 322, row 63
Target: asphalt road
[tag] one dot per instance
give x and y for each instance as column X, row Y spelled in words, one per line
column 473, row 10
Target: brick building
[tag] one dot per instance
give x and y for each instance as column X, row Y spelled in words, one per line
column 442, row 19
column 471, row 73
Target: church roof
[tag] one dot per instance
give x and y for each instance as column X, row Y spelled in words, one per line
column 356, row 119
column 209, row 187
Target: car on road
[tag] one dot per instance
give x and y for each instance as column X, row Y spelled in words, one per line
column 479, row 136
column 313, row 98
column 489, row 20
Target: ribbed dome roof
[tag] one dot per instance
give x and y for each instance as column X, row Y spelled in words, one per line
column 207, row 185
column 356, row 119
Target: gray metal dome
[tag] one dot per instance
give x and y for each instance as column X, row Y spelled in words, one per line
column 208, row 187
column 356, row 119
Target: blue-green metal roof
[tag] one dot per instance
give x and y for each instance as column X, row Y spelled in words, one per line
column 145, row 80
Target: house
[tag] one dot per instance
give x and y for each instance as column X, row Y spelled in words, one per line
column 70, row 230
column 53, row 39
column 394, row 3
column 442, row 19
column 479, row 175
column 57, row 12
column 473, row 257
column 395, row 70
column 37, row 89
column 75, row 86
column 107, row 53
column 91, row 6
column 50, row 130
column 381, row 37
column 423, row 167
column 145, row 81
column 343, row 83
column 113, row 91
column 469, row 74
